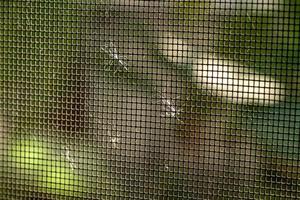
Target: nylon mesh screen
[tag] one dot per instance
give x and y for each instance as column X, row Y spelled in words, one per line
column 132, row 99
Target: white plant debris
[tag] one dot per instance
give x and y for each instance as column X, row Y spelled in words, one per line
column 169, row 107
column 69, row 158
column 114, row 55
column 113, row 136
column 3, row 131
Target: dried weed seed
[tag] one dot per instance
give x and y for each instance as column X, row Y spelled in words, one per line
column 115, row 58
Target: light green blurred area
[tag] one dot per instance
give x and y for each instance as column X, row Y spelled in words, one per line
column 34, row 164
column 36, row 167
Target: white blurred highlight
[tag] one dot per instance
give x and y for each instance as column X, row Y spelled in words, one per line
column 224, row 78
column 254, row 5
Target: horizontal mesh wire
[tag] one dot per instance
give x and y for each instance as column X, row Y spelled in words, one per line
column 136, row 99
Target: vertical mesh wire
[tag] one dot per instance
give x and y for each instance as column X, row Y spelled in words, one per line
column 134, row 99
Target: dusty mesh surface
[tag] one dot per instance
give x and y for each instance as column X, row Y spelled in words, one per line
column 126, row 99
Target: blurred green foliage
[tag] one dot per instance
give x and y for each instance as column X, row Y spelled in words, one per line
column 36, row 165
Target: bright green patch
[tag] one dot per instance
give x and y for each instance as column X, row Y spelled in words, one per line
column 36, row 165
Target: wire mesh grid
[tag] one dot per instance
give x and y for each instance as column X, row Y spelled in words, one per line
column 136, row 99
